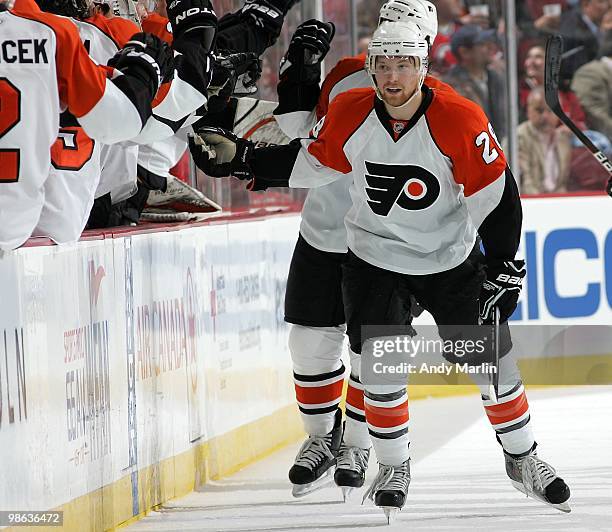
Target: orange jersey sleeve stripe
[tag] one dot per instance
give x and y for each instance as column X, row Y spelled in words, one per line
column 387, row 418
column 346, row 113
column 344, row 68
column 122, row 30
column 118, row 29
column 81, row 82
column 354, row 397
column 506, row 412
column 157, row 25
column 319, row 394
column 477, row 161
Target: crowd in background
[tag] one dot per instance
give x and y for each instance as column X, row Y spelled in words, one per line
column 469, row 54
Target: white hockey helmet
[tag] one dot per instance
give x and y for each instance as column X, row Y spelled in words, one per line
column 396, row 39
column 421, row 12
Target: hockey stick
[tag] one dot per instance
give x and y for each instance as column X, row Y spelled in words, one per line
column 552, row 68
column 494, row 378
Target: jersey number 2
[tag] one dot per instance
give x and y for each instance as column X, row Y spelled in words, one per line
column 489, row 154
column 10, row 115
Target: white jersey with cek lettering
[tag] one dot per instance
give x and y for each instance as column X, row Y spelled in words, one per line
column 418, row 195
column 49, row 66
column 76, row 159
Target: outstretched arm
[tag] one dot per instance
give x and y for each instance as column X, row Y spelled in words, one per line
column 220, row 153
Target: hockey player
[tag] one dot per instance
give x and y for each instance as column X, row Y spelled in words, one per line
column 420, row 196
column 51, row 66
column 80, row 165
column 313, row 300
column 250, row 30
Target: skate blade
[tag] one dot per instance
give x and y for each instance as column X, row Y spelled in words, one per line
column 390, row 513
column 300, row 490
column 562, row 507
column 347, row 492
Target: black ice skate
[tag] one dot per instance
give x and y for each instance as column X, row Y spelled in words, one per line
column 537, row 479
column 350, row 468
column 389, row 489
column 315, row 461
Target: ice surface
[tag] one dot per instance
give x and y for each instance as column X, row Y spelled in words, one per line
column 458, row 477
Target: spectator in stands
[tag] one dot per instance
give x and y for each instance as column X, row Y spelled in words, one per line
column 546, row 14
column 449, row 14
column 592, row 84
column 544, row 148
column 581, row 32
column 481, row 12
column 473, row 78
column 534, row 77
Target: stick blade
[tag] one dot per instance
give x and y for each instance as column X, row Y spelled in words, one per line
column 552, row 69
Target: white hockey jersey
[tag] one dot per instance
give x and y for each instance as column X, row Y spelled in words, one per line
column 417, row 197
column 325, row 208
column 49, row 66
column 76, row 159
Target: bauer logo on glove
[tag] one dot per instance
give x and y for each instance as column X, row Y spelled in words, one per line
column 501, row 289
column 220, row 153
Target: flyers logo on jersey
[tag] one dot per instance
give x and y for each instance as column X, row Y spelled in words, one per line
column 412, row 187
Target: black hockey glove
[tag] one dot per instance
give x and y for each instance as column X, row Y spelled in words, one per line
column 220, row 153
column 309, row 45
column 501, row 288
column 235, row 74
column 194, row 20
column 264, row 14
column 146, row 58
column 284, row 5
column 259, row 184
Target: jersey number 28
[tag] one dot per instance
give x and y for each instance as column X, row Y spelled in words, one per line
column 489, row 153
column 10, row 115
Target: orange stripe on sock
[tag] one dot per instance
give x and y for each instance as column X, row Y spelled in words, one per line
column 354, row 397
column 387, row 417
column 505, row 412
column 319, row 394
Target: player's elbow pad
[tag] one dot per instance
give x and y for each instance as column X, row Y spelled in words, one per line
column 121, row 112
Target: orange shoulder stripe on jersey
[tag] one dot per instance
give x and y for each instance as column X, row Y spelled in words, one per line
column 161, row 93
column 346, row 113
column 344, row 68
column 122, row 29
column 157, row 25
column 435, row 83
column 101, row 23
column 462, row 132
column 81, row 83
